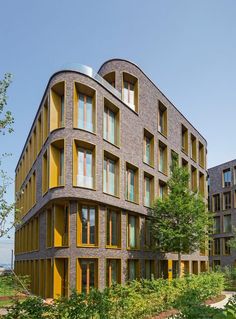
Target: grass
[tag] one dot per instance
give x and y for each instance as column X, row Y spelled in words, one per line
column 7, row 286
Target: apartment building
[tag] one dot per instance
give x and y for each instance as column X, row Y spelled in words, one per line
column 222, row 201
column 97, row 154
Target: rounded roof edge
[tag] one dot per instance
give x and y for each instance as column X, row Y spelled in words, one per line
column 138, row 67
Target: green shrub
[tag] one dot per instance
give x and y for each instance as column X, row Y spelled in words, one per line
column 136, row 299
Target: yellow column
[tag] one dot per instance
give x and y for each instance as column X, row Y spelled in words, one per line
column 170, row 269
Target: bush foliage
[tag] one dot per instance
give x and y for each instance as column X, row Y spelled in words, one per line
column 137, row 299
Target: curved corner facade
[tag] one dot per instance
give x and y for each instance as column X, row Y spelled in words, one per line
column 97, row 155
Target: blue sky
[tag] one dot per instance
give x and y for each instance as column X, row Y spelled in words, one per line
column 187, row 48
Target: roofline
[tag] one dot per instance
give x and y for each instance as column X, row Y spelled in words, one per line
column 234, row 160
column 124, row 60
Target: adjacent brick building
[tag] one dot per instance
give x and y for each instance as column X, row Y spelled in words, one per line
column 97, row 154
column 222, row 201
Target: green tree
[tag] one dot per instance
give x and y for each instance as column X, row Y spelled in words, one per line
column 6, row 126
column 180, row 222
column 232, row 241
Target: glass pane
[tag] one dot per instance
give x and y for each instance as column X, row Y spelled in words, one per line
column 84, row 275
column 131, row 186
column 84, row 224
column 132, row 231
column 161, row 163
column 89, row 114
column 148, row 149
column 111, row 177
column 111, row 132
column 131, row 96
column 114, row 226
column 147, row 191
column 91, row 274
column 92, row 225
column 81, row 167
column 114, row 271
column 89, row 169
column 132, row 270
column 105, row 124
column 126, row 93
column 81, row 114
column 105, row 175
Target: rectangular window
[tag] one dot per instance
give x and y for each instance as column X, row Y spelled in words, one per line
column 130, row 91
column 57, row 106
column 227, row 225
column 201, row 154
column 110, row 78
column 216, row 246
column 113, row 271
column 193, row 178
column 216, row 203
column 83, row 164
column 56, row 172
column 132, row 185
column 227, row 178
column 148, row 237
column 149, row 269
column 162, row 189
column 111, row 121
column 193, row 150
column 87, row 227
column 133, row 269
column 163, row 161
column 227, row 200
column 174, row 157
column 216, row 225
column 87, row 274
column 148, row 189
column 184, row 164
column 226, row 247
column 84, row 107
column 201, row 184
column 148, row 148
column 133, row 232
column 111, row 174
column 184, row 139
column 113, row 228
column 162, row 119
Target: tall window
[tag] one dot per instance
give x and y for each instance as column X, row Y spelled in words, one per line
column 163, row 158
column 133, row 269
column 193, row 178
column 57, row 106
column 56, row 172
column 162, row 189
column 148, row 189
column 216, row 202
column 216, row 246
column 85, row 168
column 109, row 125
column 131, row 183
column 113, row 228
column 184, row 139
column 216, row 225
column 87, row 274
column 110, row 175
column 87, row 229
column 148, row 148
column 113, row 272
column 193, row 151
column 227, row 178
column 162, row 119
column 85, row 112
column 227, row 200
column 130, row 91
column 133, row 232
column 201, row 155
column 226, row 247
column 149, row 269
column 148, row 238
column 227, row 226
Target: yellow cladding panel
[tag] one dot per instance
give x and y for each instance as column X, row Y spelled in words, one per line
column 55, row 109
column 41, row 278
column 170, row 269
column 60, row 225
column 60, row 277
column 75, row 163
column 75, row 115
column 48, row 281
column 54, row 166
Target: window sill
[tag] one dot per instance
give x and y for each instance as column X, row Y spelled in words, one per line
column 84, row 187
column 163, row 173
column 58, row 186
column 116, row 196
column 130, row 201
column 113, row 247
column 184, row 151
column 163, row 134
column 116, row 145
column 81, row 129
column 150, row 165
column 53, row 130
column 134, row 249
column 193, row 159
column 66, row 246
column 87, row 246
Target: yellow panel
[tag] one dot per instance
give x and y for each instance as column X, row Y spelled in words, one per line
column 41, row 278
column 75, row 115
column 48, row 281
column 55, row 109
column 54, row 166
column 170, row 269
column 60, row 226
column 60, row 277
column 75, row 163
